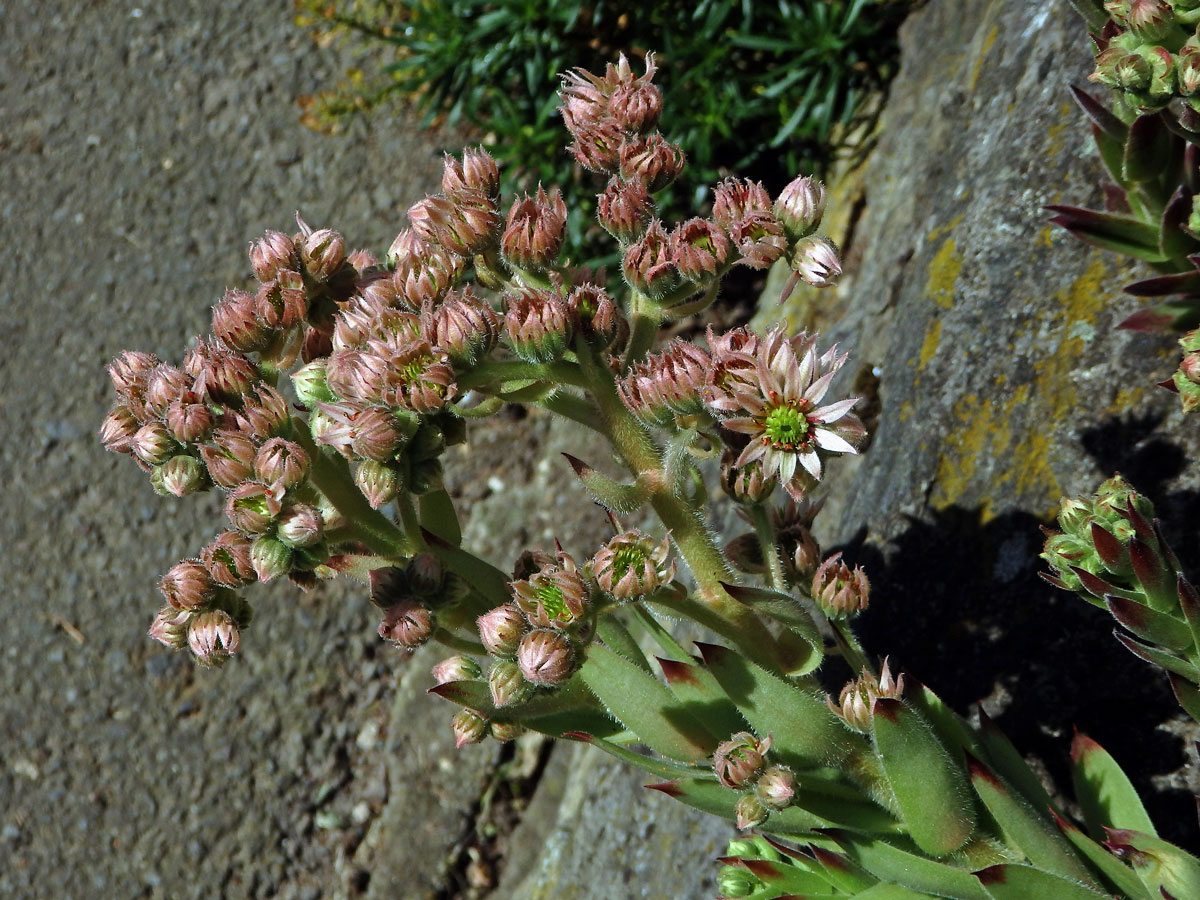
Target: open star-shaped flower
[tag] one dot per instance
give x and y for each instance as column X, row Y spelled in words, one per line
column 776, row 401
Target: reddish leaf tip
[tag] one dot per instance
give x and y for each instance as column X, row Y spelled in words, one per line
column 887, row 708
column 581, row 468
column 677, row 672
column 670, row 788
column 991, row 875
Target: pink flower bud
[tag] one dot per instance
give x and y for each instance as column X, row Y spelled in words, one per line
column 252, row 507
column 800, row 206
column 594, row 313
column 838, row 591
column 264, row 413
column 1190, row 367
column 180, row 476
column 545, row 657
column 465, row 226
column 507, row 685
column 153, row 444
column 624, row 208
column 633, row 565
column 535, row 230
column 734, row 200
column 739, row 760
column 213, row 637
column 187, row 585
column 477, row 173
column 636, row 107
column 456, row 668
column 230, row 457
column 501, row 630
column 300, row 525
column 280, row 303
column 537, row 324
column 699, row 249
column 776, row 787
column 505, row 731
column 118, row 429
column 270, row 557
column 856, row 703
column 281, row 462
column 170, row 627
column 376, row 435
column 747, row 484
column 128, row 373
column 225, row 376
column 407, row 624
column 555, row 595
column 647, row 263
column 323, row 252
column 379, row 482
column 749, row 812
column 271, row 253
column 469, row 727
column 815, row 260
column 188, row 423
column 362, row 262
column 759, row 238
column 597, row 145
column 227, row 558
column 653, row 160
column 237, row 324
column 164, row 385
column 463, row 325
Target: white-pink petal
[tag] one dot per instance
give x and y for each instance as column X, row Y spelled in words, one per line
column 833, row 411
column 812, row 463
column 828, row 440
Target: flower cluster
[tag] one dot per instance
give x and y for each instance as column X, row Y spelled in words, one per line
column 740, row 764
column 1149, row 52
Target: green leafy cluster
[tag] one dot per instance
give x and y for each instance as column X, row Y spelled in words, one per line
column 764, row 89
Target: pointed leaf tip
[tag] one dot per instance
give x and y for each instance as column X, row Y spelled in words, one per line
column 434, row 541
column 991, row 875
column 677, row 672
column 581, row 468
column 670, row 788
column 763, row 868
column 978, row 771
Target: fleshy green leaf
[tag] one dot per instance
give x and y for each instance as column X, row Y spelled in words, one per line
column 1120, row 234
column 696, row 687
column 1150, row 624
column 645, row 706
column 484, row 578
column 1007, row 762
column 1103, row 790
column 1024, row 829
column 1010, row 881
column 654, row 765
column 1149, row 150
column 1187, row 694
column 437, row 514
column 1168, row 661
column 894, row 865
column 614, row 495
column 1112, row 870
column 786, row 610
column 1165, row 868
column 930, row 788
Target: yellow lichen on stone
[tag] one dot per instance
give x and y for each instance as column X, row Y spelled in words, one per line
column 977, row 68
column 943, row 274
column 929, row 347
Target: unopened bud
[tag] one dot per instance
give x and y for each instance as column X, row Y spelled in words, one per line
column 213, row 637
column 776, row 787
column 636, row 106
column 271, row 253
column 537, row 325
column 310, row 384
column 501, row 630
column 647, row 263
column 624, row 208
column 281, row 462
column 170, row 627
column 800, row 206
column 840, row 592
column 270, row 557
column 545, row 657
column 230, row 457
column 507, row 685
column 118, row 429
column 739, row 760
column 379, row 482
column 164, row 385
column 749, row 812
column 227, row 558
column 252, row 507
column 187, row 585
column 456, row 668
column 300, row 525
column 188, row 423
column 735, row 882
column 856, row 703
column 653, row 160
column 477, row 173
column 153, row 444
column 180, row 476
column 699, row 249
column 535, row 230
column 236, row 323
column 633, row 565
column 815, row 260
column 506, row 731
column 464, row 326
column 281, row 302
column 323, row 253
column 407, row 624
column 469, row 727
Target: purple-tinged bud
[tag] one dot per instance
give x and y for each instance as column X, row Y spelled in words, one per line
column 647, row 263
column 594, row 313
column 800, row 207
column 252, row 507
column 856, row 703
column 418, row 377
column 463, row 325
column 426, row 278
column 746, row 484
column 734, row 200
column 407, row 625
column 506, row 731
column 776, row 787
column 164, row 385
column 180, row 476
column 802, row 555
column 476, row 174
column 584, row 99
column 653, row 160
column 213, row 637
column 405, row 245
column 839, row 592
column 270, row 557
column 300, row 525
column 323, row 253
column 1189, row 367
column 310, row 384
column 188, row 423
column 501, row 630
column 1187, row 71
column 597, row 145
column 545, row 657
column 237, row 324
column 469, row 727
column 170, row 627
column 426, row 574
column 271, row 253
column 129, row 372
column 632, row 565
column 376, row 435
column 535, row 230
column 739, row 760
column 624, row 208
column 699, row 248
column 465, row 226
column 153, row 444
column 554, row 596
column 227, row 558
column 1153, row 21
column 264, row 414
column 749, row 812
column 355, row 375
column 379, row 482
column 362, row 261
column 281, row 303
column 537, row 324
column 230, row 457
column 226, row 376
column 281, row 462
column 118, row 429
column 759, row 238
column 187, row 585
column 456, row 668
column 507, row 685
column 637, row 106
column 815, row 259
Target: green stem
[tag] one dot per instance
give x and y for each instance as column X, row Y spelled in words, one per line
column 769, row 547
column 647, row 317
column 458, row 642
column 410, row 521
column 331, row 476
column 490, row 371
column 575, row 408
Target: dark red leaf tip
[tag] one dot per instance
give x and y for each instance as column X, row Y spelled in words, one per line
column 670, row 788
column 677, row 672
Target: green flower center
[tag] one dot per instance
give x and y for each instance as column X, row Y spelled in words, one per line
column 552, row 601
column 786, row 428
column 627, row 558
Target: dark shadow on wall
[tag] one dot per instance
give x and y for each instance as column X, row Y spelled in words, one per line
column 957, row 602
